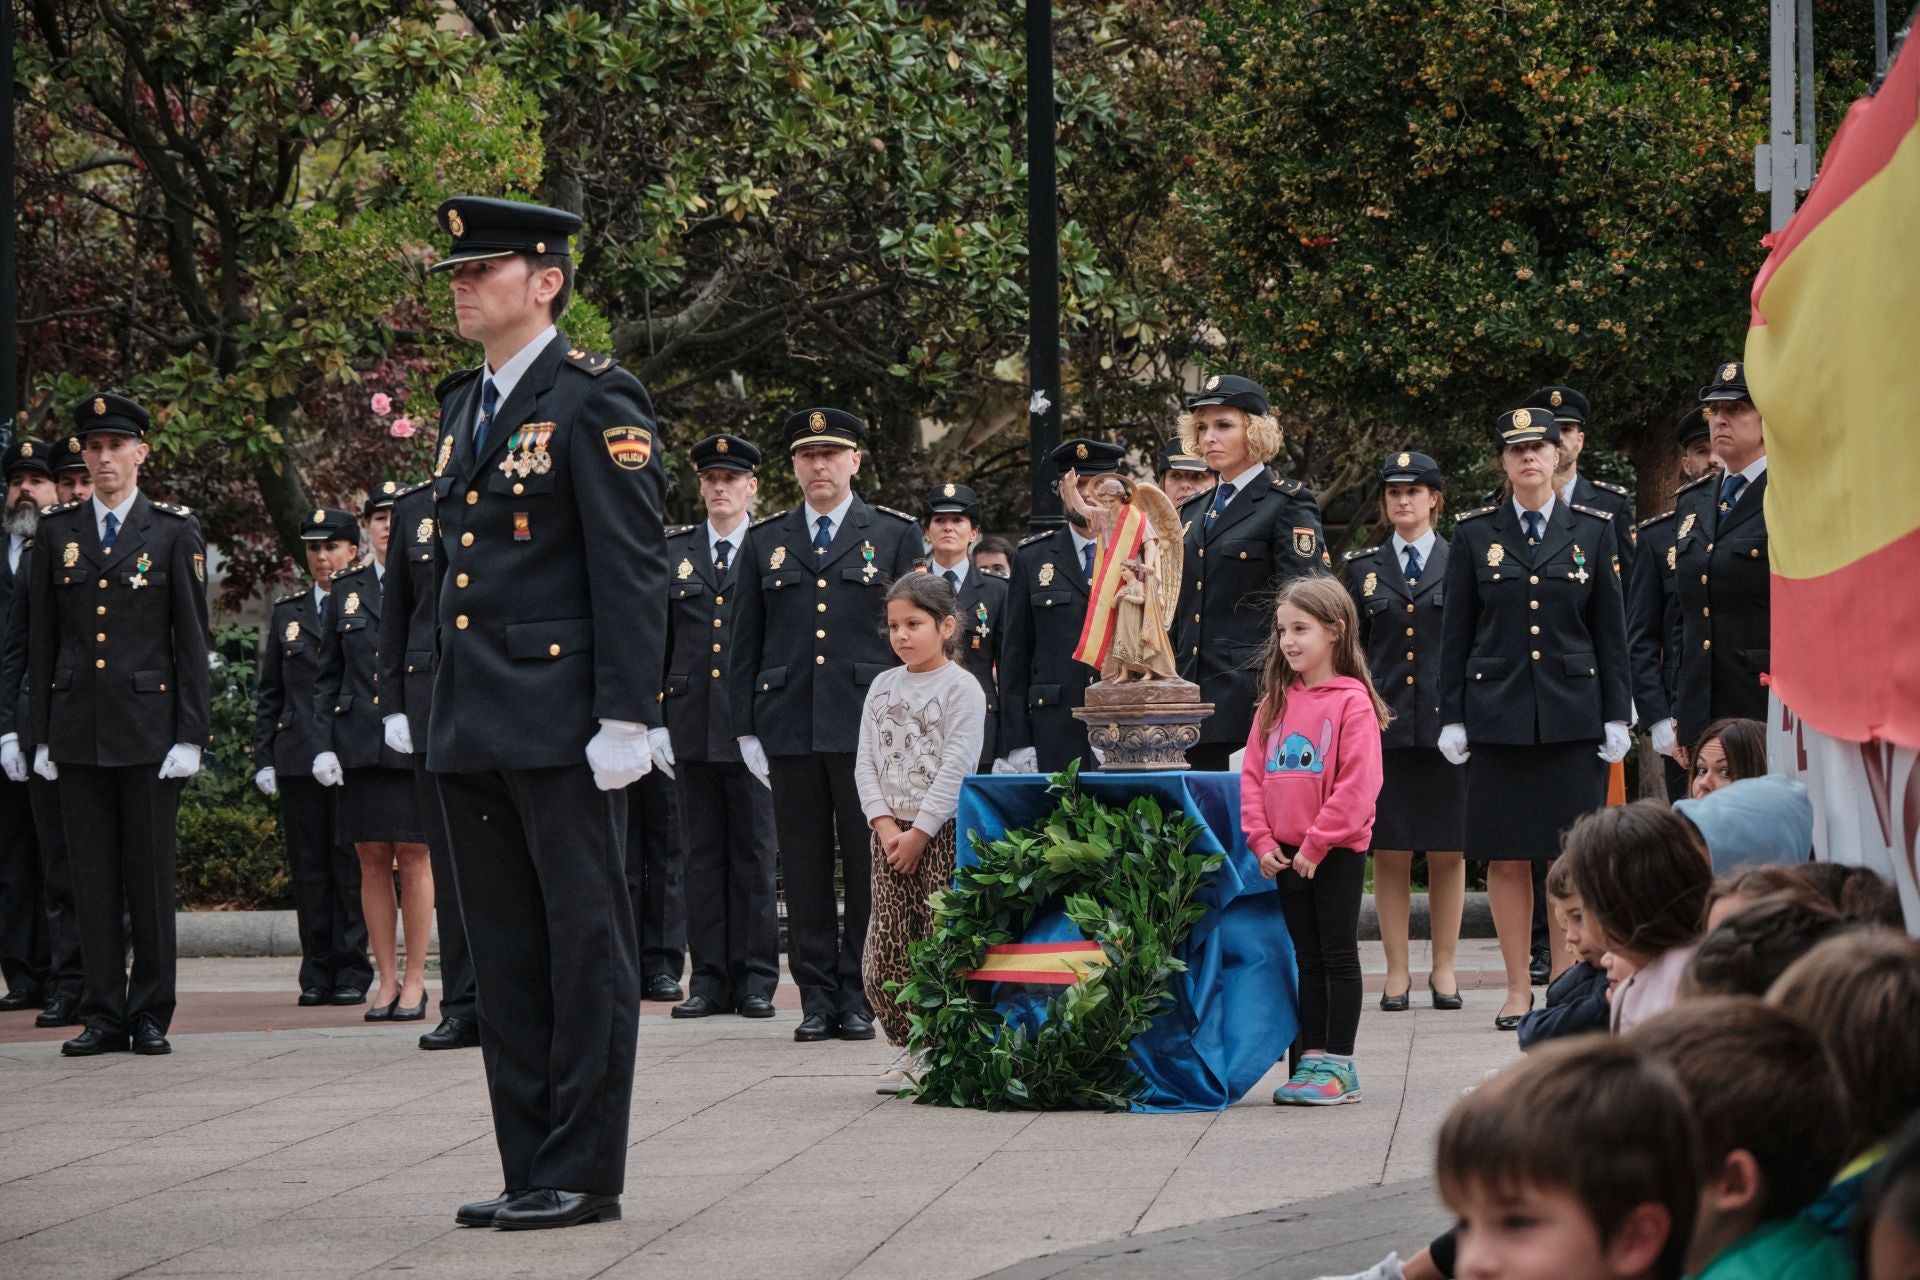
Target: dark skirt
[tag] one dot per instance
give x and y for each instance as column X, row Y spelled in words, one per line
column 380, row 805
column 1520, row 799
column 1423, row 802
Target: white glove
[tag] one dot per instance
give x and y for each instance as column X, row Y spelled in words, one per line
column 13, row 761
column 1453, row 743
column 43, row 764
column 1002, row 765
column 183, row 761
column 1099, row 756
column 1614, row 749
column 755, row 757
column 619, row 755
column 327, row 771
column 266, row 781
column 1666, row 737
column 398, row 733
column 1024, row 760
column 660, row 744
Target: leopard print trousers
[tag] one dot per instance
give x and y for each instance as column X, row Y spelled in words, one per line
column 901, row 916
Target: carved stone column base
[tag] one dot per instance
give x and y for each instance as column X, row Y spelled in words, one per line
column 1144, row 724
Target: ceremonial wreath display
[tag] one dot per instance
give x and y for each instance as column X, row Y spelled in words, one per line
column 1127, row 879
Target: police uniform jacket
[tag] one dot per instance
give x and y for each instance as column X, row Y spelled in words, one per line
column 15, row 714
column 117, row 653
column 346, row 688
column 406, row 614
column 983, row 617
column 1653, row 614
column 1533, row 651
column 1040, row 681
column 287, row 729
column 1265, row 535
column 1400, row 630
column 1721, row 577
column 811, row 629
column 552, row 593
column 700, row 604
column 1617, row 501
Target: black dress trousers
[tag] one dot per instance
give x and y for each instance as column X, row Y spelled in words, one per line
column 733, row 923
column 818, row 805
column 23, row 917
column 655, row 862
column 457, row 999
column 326, row 889
column 65, row 972
column 126, row 816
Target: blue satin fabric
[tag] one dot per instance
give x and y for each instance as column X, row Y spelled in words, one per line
column 1234, row 1011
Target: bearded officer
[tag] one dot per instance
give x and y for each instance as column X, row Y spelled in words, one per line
column 550, row 617
column 24, row 957
column 117, row 660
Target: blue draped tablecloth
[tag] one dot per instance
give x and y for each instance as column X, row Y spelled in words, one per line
column 1233, row 1013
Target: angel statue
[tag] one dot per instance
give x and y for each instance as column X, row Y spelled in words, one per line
column 1136, row 577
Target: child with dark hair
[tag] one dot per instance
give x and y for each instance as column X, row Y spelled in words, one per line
column 1772, row 1117
column 1751, row 948
column 1577, row 999
column 1887, row 1229
column 1858, row 893
column 1737, row 890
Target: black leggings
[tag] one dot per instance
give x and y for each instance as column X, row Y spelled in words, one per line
column 1323, row 915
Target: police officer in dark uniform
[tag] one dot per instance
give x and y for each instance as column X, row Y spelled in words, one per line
column 1244, row 537
column 1181, row 474
column 287, row 734
column 810, row 637
column 24, row 956
column 1040, row 683
column 406, row 661
column 1721, row 573
column 1653, row 608
column 550, row 621
column 656, row 882
column 71, row 479
column 953, row 525
column 117, row 661
column 1571, row 410
column 733, row 922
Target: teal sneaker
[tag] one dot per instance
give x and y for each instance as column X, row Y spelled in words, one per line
column 1303, row 1075
column 1332, row 1084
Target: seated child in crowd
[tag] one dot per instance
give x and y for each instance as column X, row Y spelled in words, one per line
column 1749, row 950
column 1738, row 890
column 1858, row 893
column 1772, row 1118
column 1577, row 999
column 1887, row 1231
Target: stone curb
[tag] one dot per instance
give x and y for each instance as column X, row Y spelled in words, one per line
column 275, row 933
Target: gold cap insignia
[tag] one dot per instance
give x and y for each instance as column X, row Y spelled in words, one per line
column 26, row 448
column 455, row 223
column 948, row 491
column 1554, row 399
column 1406, row 460
column 1522, row 419
column 1213, row 383
column 99, row 406
column 73, row 444
column 1080, row 451
column 387, row 487
column 818, row 421
column 1727, row 374
column 319, row 516
column 540, row 246
column 293, row 631
column 720, row 445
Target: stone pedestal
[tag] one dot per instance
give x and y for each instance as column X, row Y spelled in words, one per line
column 1143, row 725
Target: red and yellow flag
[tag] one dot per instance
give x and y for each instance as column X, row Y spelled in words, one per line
column 1049, row 964
column 1096, row 633
column 1834, row 365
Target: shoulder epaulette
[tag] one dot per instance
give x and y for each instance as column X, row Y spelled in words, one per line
column 1364, row 551
column 1288, row 485
column 1611, row 487
column 679, row 529
column 1592, row 511
column 58, row 507
column 1476, row 513
column 290, row 598
column 1695, row 484
column 452, row 380
column 341, row 573
column 172, row 508
column 890, row 511
column 404, row 490
column 1653, row 520
column 1042, row 536
column 770, row 519
column 590, row 362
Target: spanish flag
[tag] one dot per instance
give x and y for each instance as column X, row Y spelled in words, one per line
column 1096, row 633
column 1833, row 358
column 1047, row 964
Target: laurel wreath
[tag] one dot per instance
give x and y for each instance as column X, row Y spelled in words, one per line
column 1127, row 878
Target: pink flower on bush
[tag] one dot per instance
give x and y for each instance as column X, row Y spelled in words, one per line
column 402, row 429
column 381, row 404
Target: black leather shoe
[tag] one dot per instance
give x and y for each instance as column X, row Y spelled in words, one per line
column 452, row 1033
column 416, row 1014
column 537, row 1210
column 25, row 996
column 311, row 996
column 856, row 1026
column 663, row 988
column 1444, row 1002
column 698, row 1007
column 92, row 1042
column 1397, row 1004
column 349, row 995
column 1539, row 966
column 756, row 1007
column 149, row 1039
column 480, row 1212
column 381, row 1012
column 61, row 1011
column 1511, row 1021
column 817, row 1026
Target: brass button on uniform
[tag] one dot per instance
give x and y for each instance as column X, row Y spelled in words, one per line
column 719, row 599
column 1197, row 584
column 553, row 651
column 518, row 488
column 716, row 648
column 1196, row 617
column 1201, row 552
column 820, row 608
column 819, row 635
column 1536, row 655
column 100, row 609
column 103, row 584
column 819, row 582
column 473, row 496
column 1409, row 608
column 1409, row 679
column 716, row 673
column 1533, row 604
column 1535, row 628
column 466, row 539
column 1706, row 611
column 99, row 662
column 820, row 660
column 1703, row 579
column 1706, row 644
column 1409, row 655
column 1754, row 554
column 461, row 622
column 1243, row 555
column 1533, row 580
column 100, row 638
column 460, row 580
column 719, row 622
column 1409, row 631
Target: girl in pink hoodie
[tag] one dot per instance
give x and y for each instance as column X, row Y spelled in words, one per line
column 1308, row 784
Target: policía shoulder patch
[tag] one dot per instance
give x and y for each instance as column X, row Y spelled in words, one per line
column 629, row 447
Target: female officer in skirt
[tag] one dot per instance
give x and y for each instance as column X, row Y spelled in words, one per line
column 1399, row 588
column 378, row 812
column 1533, row 678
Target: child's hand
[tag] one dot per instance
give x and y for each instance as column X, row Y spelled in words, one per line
column 904, row 850
column 1273, row 863
column 887, row 828
column 1305, row 868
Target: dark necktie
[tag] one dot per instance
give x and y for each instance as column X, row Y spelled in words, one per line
column 721, row 550
column 1221, row 497
column 1086, row 561
column 953, row 580
column 321, row 609
column 112, row 532
column 1413, row 565
column 1730, row 491
column 1532, row 520
column 489, row 401
column 823, row 535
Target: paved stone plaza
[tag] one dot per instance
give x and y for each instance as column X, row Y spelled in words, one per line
column 340, row 1149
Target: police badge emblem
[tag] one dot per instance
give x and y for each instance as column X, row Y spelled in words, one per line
column 1728, row 372
column 353, row 603
column 1496, row 554
column 685, row 570
column 1554, row 399
column 293, row 631
column 423, row 532
column 455, row 224
column 778, row 558
column 71, row 555
column 1303, row 540
column 99, row 407
column 1372, row 583
column 1046, row 575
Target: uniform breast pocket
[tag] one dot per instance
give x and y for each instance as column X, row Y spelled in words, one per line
column 781, row 580
column 152, row 681
column 1051, row 599
column 545, row 641
column 293, row 650
column 1580, row 664
column 518, row 486
column 1495, row 577
column 1377, row 605
column 144, row 581
column 676, row 685
column 1745, row 549
column 352, row 624
column 1043, row 695
column 63, row 680
column 688, row 590
column 864, row 575
column 1487, row 666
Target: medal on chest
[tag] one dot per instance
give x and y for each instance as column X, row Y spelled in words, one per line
column 980, row 628
column 1580, row 562
column 527, row 451
column 140, row 567
column 866, row 553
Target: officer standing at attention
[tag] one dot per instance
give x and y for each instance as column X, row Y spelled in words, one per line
column 1245, row 537
column 551, row 617
column 1571, row 410
column 1182, row 474
column 117, row 662
column 953, row 525
column 1721, row 569
column 810, row 637
column 287, row 734
column 733, row 923
column 406, row 699
column 1040, row 683
column 23, row 914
